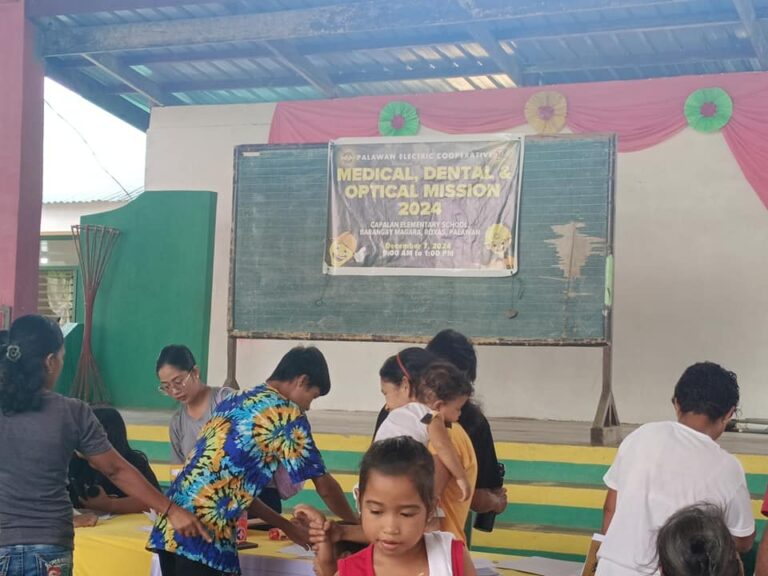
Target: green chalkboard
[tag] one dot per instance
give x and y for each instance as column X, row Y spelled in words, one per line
column 560, row 296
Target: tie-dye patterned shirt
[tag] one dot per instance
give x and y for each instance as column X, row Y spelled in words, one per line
column 235, row 457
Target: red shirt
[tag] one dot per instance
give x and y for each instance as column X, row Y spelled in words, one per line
column 361, row 564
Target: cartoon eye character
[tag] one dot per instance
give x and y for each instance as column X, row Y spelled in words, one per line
column 498, row 239
column 342, row 249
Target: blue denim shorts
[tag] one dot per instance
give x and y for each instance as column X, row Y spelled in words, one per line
column 35, row 560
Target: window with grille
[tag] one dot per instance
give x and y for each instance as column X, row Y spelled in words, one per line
column 56, row 294
column 58, row 278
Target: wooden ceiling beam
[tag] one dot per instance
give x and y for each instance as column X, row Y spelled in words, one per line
column 432, row 38
column 138, row 83
column 50, row 8
column 641, row 61
column 480, row 33
column 286, row 53
column 474, row 67
column 324, row 21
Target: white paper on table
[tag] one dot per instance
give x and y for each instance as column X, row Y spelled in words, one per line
column 543, row 566
column 484, row 567
column 296, row 550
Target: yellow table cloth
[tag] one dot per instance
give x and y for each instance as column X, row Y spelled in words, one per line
column 115, row 547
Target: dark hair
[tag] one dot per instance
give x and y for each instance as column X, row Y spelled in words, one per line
column 413, row 359
column 707, row 388
column 83, row 478
column 23, row 350
column 304, row 361
column 176, row 355
column 443, row 381
column 114, row 425
column 401, row 456
column 457, row 349
column 696, row 542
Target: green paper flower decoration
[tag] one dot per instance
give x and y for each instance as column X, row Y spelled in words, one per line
column 398, row 119
column 708, row 109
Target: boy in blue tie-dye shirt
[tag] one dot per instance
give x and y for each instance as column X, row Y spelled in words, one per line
column 235, row 457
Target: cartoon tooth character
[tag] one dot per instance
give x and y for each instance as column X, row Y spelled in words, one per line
column 498, row 239
column 342, row 249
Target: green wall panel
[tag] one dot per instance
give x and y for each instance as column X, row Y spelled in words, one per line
column 156, row 290
column 73, row 343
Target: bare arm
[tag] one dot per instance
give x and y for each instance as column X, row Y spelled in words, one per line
column 330, row 491
column 322, row 530
column 325, row 560
column 352, row 533
column 442, row 476
column 130, row 481
column 469, row 567
column 761, row 565
column 441, row 442
column 104, row 503
column 609, row 507
column 296, row 533
column 85, row 520
column 744, row 543
column 487, row 500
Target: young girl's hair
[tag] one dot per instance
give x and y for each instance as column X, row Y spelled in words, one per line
column 401, row 456
column 23, row 350
column 696, row 542
column 176, row 355
column 408, row 363
column 442, row 381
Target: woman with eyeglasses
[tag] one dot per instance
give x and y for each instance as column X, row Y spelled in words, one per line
column 180, row 379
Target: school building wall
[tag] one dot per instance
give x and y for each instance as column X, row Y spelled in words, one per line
column 691, row 280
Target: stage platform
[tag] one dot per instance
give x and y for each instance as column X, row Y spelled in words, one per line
column 504, row 429
column 553, row 475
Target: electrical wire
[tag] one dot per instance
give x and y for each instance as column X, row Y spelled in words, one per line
column 125, row 191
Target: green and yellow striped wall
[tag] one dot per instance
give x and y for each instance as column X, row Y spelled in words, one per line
column 555, row 492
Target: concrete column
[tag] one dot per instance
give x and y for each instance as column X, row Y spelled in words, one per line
column 21, row 159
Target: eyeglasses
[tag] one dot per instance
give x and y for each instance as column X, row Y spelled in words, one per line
column 175, row 384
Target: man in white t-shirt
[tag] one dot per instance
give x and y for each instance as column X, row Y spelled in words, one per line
column 664, row 466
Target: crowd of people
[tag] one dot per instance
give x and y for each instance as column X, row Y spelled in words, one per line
column 677, row 503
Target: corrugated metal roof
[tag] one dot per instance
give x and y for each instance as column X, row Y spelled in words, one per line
column 531, row 43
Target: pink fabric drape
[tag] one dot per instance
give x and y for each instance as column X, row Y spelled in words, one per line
column 747, row 132
column 643, row 113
